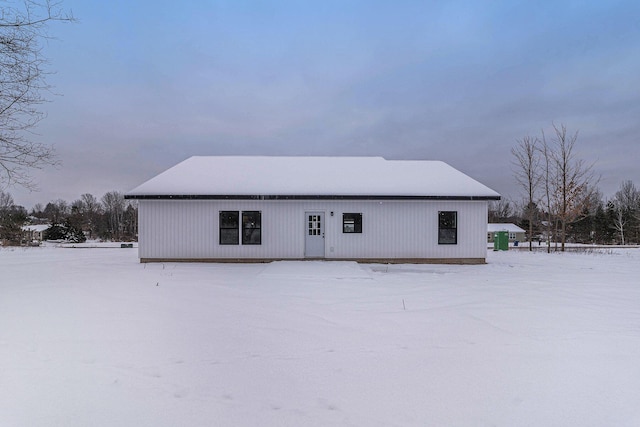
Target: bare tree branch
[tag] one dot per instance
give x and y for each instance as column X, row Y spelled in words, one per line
column 527, row 165
column 571, row 180
column 23, row 73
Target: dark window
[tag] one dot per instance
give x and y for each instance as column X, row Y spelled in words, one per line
column 229, row 227
column 448, row 228
column 251, row 228
column 352, row 223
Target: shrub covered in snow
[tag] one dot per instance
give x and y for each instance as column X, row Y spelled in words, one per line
column 67, row 232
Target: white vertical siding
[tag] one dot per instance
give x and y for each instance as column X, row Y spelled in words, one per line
column 390, row 229
column 408, row 229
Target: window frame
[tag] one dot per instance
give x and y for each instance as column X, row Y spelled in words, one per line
column 447, row 232
column 222, row 225
column 252, row 229
column 356, row 217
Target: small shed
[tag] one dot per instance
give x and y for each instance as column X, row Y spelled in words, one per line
column 515, row 233
column 259, row 209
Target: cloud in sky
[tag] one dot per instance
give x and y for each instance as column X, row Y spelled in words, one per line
column 148, row 84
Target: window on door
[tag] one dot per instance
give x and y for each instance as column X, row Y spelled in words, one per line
column 315, row 225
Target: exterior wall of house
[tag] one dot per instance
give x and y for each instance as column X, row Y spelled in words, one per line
column 391, row 230
column 521, row 237
column 513, row 236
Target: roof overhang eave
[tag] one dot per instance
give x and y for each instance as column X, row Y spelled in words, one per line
column 302, row 197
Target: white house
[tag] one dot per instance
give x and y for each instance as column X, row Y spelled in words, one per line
column 34, row 233
column 259, row 209
column 515, row 232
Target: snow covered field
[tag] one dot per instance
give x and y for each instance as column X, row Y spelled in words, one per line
column 90, row 337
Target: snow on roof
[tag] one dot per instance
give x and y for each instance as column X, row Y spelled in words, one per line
column 309, row 176
column 36, row 227
column 511, row 228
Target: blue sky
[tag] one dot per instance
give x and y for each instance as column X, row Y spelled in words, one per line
column 143, row 85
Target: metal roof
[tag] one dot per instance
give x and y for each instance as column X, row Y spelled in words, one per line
column 258, row 177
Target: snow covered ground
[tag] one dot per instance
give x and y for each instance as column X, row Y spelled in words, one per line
column 90, row 337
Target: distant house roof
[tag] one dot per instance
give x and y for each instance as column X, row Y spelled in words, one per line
column 512, row 228
column 36, row 227
column 256, row 177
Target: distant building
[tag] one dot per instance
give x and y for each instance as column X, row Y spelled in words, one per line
column 34, row 233
column 259, row 209
column 515, row 233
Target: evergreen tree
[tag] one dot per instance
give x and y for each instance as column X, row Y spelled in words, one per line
column 11, row 222
column 55, row 232
column 581, row 230
column 73, row 232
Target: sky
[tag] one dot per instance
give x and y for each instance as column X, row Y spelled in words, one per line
column 140, row 86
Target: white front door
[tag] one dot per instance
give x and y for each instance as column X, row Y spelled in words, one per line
column 314, row 236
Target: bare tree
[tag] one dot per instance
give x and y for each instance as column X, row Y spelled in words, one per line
column 130, row 220
column 23, row 27
column 570, row 178
column 56, row 211
column 114, row 208
column 91, row 204
column 625, row 202
column 12, row 218
column 547, row 180
column 528, row 175
column 619, row 221
column 6, row 201
column 37, row 209
column 500, row 211
column 89, row 209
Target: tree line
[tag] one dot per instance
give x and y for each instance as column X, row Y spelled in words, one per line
column 112, row 217
column 561, row 201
